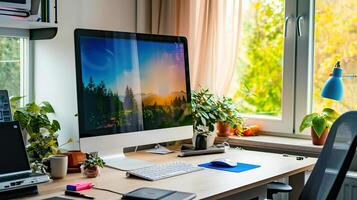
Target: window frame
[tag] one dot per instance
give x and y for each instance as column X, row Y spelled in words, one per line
column 304, row 64
column 285, row 123
column 300, row 71
column 27, row 61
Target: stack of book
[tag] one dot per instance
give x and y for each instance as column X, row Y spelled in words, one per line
column 40, row 11
column 14, row 12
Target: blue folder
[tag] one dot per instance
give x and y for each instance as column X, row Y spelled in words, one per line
column 241, row 167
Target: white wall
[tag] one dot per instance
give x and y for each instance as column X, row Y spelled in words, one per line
column 54, row 62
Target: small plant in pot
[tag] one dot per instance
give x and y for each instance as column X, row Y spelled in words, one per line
column 320, row 124
column 228, row 117
column 205, row 115
column 40, row 133
column 91, row 165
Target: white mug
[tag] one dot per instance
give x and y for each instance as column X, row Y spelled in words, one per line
column 59, row 164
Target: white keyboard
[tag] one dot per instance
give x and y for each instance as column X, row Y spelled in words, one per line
column 165, row 170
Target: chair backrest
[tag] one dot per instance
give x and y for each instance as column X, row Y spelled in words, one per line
column 334, row 161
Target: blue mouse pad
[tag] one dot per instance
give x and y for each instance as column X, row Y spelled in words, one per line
column 241, row 167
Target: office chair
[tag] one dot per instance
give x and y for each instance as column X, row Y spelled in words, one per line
column 333, row 163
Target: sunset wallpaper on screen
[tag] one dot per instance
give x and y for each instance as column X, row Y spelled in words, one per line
column 133, row 85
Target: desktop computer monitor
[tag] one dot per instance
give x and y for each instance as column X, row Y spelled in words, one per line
column 132, row 89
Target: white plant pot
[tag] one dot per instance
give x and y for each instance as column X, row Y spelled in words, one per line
column 210, row 139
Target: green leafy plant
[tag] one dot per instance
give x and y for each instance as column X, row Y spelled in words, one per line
column 227, row 112
column 319, row 121
column 204, row 111
column 42, row 131
column 207, row 109
column 93, row 161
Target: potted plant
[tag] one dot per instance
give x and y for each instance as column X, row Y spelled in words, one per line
column 320, row 124
column 228, row 117
column 91, row 165
column 40, row 133
column 205, row 115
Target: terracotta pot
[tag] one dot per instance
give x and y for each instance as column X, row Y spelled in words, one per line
column 319, row 140
column 91, row 172
column 75, row 158
column 223, row 129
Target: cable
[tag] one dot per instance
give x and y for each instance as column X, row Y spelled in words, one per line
column 107, row 190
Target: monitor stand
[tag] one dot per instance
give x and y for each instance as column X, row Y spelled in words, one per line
column 121, row 162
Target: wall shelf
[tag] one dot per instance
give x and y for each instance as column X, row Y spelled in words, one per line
column 38, row 30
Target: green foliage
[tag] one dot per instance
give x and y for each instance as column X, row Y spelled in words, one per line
column 204, row 111
column 335, row 39
column 207, row 109
column 92, row 161
column 228, row 113
column 42, row 131
column 319, row 121
column 107, row 109
column 103, row 107
column 10, row 65
column 129, row 100
column 261, row 58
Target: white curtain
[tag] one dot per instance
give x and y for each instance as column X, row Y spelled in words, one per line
column 212, row 28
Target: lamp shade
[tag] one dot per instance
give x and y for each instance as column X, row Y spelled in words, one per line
column 333, row 88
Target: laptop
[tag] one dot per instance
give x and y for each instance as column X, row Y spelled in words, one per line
column 15, row 171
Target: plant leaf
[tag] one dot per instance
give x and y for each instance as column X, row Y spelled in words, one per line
column 211, row 116
column 205, row 115
column 319, row 124
column 47, row 108
column 330, row 114
column 307, row 121
column 15, row 99
column 55, row 126
column 203, row 120
column 33, row 108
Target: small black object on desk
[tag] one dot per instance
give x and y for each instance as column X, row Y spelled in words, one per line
column 57, row 198
column 21, row 192
column 157, row 194
column 189, row 150
column 77, row 194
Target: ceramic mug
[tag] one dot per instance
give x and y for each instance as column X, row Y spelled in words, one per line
column 58, row 164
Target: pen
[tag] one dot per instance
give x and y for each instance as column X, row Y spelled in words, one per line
column 297, row 157
column 77, row 194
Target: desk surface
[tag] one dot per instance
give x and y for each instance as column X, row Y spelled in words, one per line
column 207, row 183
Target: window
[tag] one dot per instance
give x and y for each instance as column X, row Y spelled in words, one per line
column 335, row 39
column 263, row 86
column 14, row 70
column 287, row 51
column 261, row 58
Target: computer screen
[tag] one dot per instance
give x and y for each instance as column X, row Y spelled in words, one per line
column 129, row 82
column 13, row 156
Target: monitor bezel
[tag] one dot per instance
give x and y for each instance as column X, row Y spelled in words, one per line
column 78, row 33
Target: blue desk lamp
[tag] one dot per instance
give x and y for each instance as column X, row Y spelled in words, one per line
column 333, row 88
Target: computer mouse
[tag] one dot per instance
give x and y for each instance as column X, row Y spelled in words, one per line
column 223, row 162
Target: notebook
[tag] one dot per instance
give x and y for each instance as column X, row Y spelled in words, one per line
column 146, row 193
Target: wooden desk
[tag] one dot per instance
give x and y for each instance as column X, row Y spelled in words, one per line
column 207, row 184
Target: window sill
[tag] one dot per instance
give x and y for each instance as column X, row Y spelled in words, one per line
column 274, row 143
